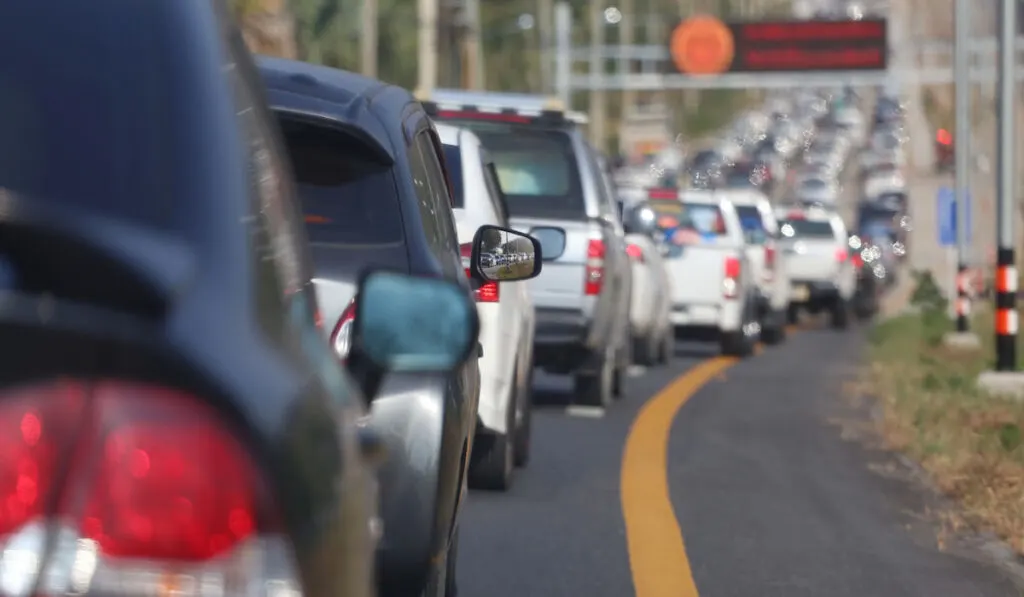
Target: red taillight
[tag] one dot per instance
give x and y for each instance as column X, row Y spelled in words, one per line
column 594, row 272
column 769, row 256
column 731, row 281
column 150, row 486
column 489, row 292
column 662, row 194
column 944, row 137
column 841, row 255
column 858, row 261
column 635, row 252
column 341, row 337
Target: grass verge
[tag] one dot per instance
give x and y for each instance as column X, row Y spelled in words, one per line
column 971, row 444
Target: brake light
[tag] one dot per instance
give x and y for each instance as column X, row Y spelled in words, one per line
column 858, row 261
column 795, row 215
column 159, row 493
column 479, row 115
column 662, row 194
column 635, row 252
column 731, row 282
column 594, row 272
column 341, row 337
column 841, row 255
column 489, row 292
column 769, row 256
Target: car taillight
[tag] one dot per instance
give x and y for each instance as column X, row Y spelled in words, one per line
column 769, row 256
column 158, row 496
column 731, row 282
column 594, row 272
column 489, row 292
column 341, row 337
column 841, row 255
column 858, row 261
column 635, row 252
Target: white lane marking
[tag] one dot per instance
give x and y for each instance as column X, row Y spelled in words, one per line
column 636, row 371
column 586, row 412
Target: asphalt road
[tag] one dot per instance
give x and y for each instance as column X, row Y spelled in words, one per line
column 752, row 474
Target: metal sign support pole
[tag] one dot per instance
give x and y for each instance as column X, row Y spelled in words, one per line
column 563, row 53
column 1006, row 272
column 961, row 69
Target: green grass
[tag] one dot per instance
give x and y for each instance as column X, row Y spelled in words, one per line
column 971, row 444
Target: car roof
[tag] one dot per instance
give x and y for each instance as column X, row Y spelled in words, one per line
column 743, row 196
column 335, row 94
column 700, row 196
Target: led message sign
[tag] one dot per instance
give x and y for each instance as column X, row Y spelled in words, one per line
column 706, row 46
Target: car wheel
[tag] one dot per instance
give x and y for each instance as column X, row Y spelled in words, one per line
column 668, row 347
column 792, row 315
column 494, row 469
column 595, row 389
column 521, row 453
column 840, row 316
column 774, row 330
column 644, row 351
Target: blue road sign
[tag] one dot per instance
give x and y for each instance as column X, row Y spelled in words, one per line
column 946, row 211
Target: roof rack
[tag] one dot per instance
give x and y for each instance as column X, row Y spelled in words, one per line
column 458, row 104
column 449, row 112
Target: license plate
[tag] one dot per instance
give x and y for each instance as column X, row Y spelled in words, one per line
column 801, row 293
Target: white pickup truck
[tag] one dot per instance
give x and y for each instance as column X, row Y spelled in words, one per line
column 822, row 276
column 770, row 268
column 714, row 291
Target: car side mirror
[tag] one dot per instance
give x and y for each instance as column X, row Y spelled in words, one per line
column 409, row 324
column 504, row 255
column 552, row 241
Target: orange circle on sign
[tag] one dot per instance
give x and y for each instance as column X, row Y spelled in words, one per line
column 702, row 45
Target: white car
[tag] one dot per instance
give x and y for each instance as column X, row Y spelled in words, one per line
column 506, row 319
column 884, row 182
column 822, row 277
column 651, row 304
column 714, row 294
column 768, row 266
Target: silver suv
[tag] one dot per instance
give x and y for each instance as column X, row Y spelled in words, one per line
column 556, row 190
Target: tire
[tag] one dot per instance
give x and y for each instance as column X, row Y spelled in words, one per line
column 667, row 348
column 839, row 318
column 521, row 453
column 736, row 344
column 792, row 315
column 645, row 351
column 618, row 382
column 595, row 389
column 494, row 469
column 774, row 331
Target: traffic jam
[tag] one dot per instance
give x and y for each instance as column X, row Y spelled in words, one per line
column 300, row 311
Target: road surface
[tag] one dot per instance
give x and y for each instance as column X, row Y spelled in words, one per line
column 751, row 474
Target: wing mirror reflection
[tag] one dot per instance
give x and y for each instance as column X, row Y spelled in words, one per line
column 505, row 255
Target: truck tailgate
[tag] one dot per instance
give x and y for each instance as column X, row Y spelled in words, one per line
column 560, row 283
column 812, row 260
column 697, row 274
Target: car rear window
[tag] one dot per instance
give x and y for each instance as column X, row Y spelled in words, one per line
column 704, row 219
column 536, row 169
column 814, row 183
column 820, row 229
column 348, row 196
column 753, row 224
column 453, row 159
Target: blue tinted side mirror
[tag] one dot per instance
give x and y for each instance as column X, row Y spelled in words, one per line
column 408, row 324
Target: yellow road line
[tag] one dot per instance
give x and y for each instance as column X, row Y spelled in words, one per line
column 657, row 555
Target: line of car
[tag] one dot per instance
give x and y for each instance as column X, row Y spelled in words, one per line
column 267, row 321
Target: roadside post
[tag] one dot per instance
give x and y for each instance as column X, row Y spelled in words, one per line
column 954, row 231
column 1006, row 380
column 962, row 81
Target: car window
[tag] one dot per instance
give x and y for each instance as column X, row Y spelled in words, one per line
column 424, row 195
column 347, row 196
column 814, row 183
column 703, row 219
column 78, row 138
column 442, row 208
column 453, row 161
column 536, row 170
column 752, row 221
column 814, row 229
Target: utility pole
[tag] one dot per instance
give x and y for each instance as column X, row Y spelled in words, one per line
column 1006, row 271
column 545, row 16
column 427, row 13
column 598, row 105
column 627, row 28
column 368, row 38
column 563, row 53
column 474, row 54
column 962, row 82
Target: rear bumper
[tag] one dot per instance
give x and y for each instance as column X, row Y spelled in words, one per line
column 560, row 339
column 726, row 316
column 813, row 292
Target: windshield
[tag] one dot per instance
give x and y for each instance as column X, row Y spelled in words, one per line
column 536, row 170
column 703, row 219
column 816, row 229
column 453, row 160
column 347, row 197
column 814, row 183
